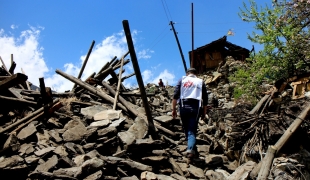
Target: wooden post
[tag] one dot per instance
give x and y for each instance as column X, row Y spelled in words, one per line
column 85, row 62
column 13, row 65
column 27, row 83
column 139, row 78
column 272, row 150
column 118, row 84
column 128, row 76
column 13, row 81
column 35, row 113
column 259, row 104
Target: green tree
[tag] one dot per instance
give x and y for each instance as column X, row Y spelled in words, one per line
column 283, row 30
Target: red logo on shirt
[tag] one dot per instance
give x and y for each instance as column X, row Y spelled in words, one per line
column 188, row 84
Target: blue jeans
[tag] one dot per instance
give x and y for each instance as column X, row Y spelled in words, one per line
column 189, row 117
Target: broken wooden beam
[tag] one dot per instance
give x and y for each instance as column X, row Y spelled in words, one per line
column 13, row 81
column 17, row 100
column 259, row 104
column 272, row 150
column 35, row 113
column 135, row 94
column 90, row 88
column 85, row 62
column 128, row 76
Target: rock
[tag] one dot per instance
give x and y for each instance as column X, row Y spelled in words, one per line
column 136, row 165
column 215, row 159
column 61, row 151
column 11, row 161
column 127, row 138
column 107, row 131
column 70, row 147
column 27, row 131
column 164, row 118
column 72, row 172
column 12, row 142
column 92, row 164
column 212, row 175
column 26, row 149
column 102, row 123
column 196, row 172
column 92, row 110
column 55, row 135
column 55, row 122
column 116, row 123
column 243, row 171
column 154, row 159
column 94, row 176
column 32, row 159
column 107, row 115
column 43, row 139
column 178, row 177
column 148, row 176
column 164, row 177
column 74, row 133
column 130, row 178
column 44, row 151
column 139, row 129
column 50, row 163
column 176, row 167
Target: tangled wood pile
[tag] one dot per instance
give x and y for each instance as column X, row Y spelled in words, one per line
column 101, row 130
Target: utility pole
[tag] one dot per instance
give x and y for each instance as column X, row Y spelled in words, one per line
column 176, row 37
column 192, row 54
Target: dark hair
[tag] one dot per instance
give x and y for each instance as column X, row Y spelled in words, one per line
column 192, row 70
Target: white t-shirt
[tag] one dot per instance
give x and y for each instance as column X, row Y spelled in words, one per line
column 191, row 88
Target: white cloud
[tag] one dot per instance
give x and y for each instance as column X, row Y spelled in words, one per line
column 26, row 53
column 144, row 54
column 13, row 26
column 167, row 77
column 147, row 75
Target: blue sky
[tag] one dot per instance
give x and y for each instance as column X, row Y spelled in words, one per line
column 47, row 35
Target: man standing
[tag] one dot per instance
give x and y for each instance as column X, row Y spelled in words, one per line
column 191, row 95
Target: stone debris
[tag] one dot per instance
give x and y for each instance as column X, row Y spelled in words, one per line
column 79, row 135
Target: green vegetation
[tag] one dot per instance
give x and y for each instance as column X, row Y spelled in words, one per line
column 283, row 30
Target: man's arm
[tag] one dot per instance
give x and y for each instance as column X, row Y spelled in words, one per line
column 174, row 110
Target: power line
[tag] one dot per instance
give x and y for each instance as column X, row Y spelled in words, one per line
column 158, row 37
column 165, row 10
column 168, row 9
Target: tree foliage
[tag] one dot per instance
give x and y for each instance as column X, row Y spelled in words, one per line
column 283, row 30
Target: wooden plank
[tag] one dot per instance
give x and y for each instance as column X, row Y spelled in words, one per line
column 272, row 150
column 13, row 81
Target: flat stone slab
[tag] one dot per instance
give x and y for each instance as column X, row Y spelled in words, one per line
column 26, row 149
column 75, row 133
column 92, row 110
column 196, row 172
column 109, row 114
column 101, row 123
column 139, row 128
column 27, row 131
column 50, row 163
column 11, row 161
column 61, row 151
column 44, row 151
column 164, row 118
column 126, row 137
column 116, row 123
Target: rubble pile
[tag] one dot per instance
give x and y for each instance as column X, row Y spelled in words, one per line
column 86, row 134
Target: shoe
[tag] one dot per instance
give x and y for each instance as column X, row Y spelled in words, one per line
column 190, row 155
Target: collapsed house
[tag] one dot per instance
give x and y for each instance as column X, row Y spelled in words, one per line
column 211, row 55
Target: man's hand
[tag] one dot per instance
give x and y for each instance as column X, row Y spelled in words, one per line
column 174, row 113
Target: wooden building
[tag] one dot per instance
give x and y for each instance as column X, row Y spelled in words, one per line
column 210, row 55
